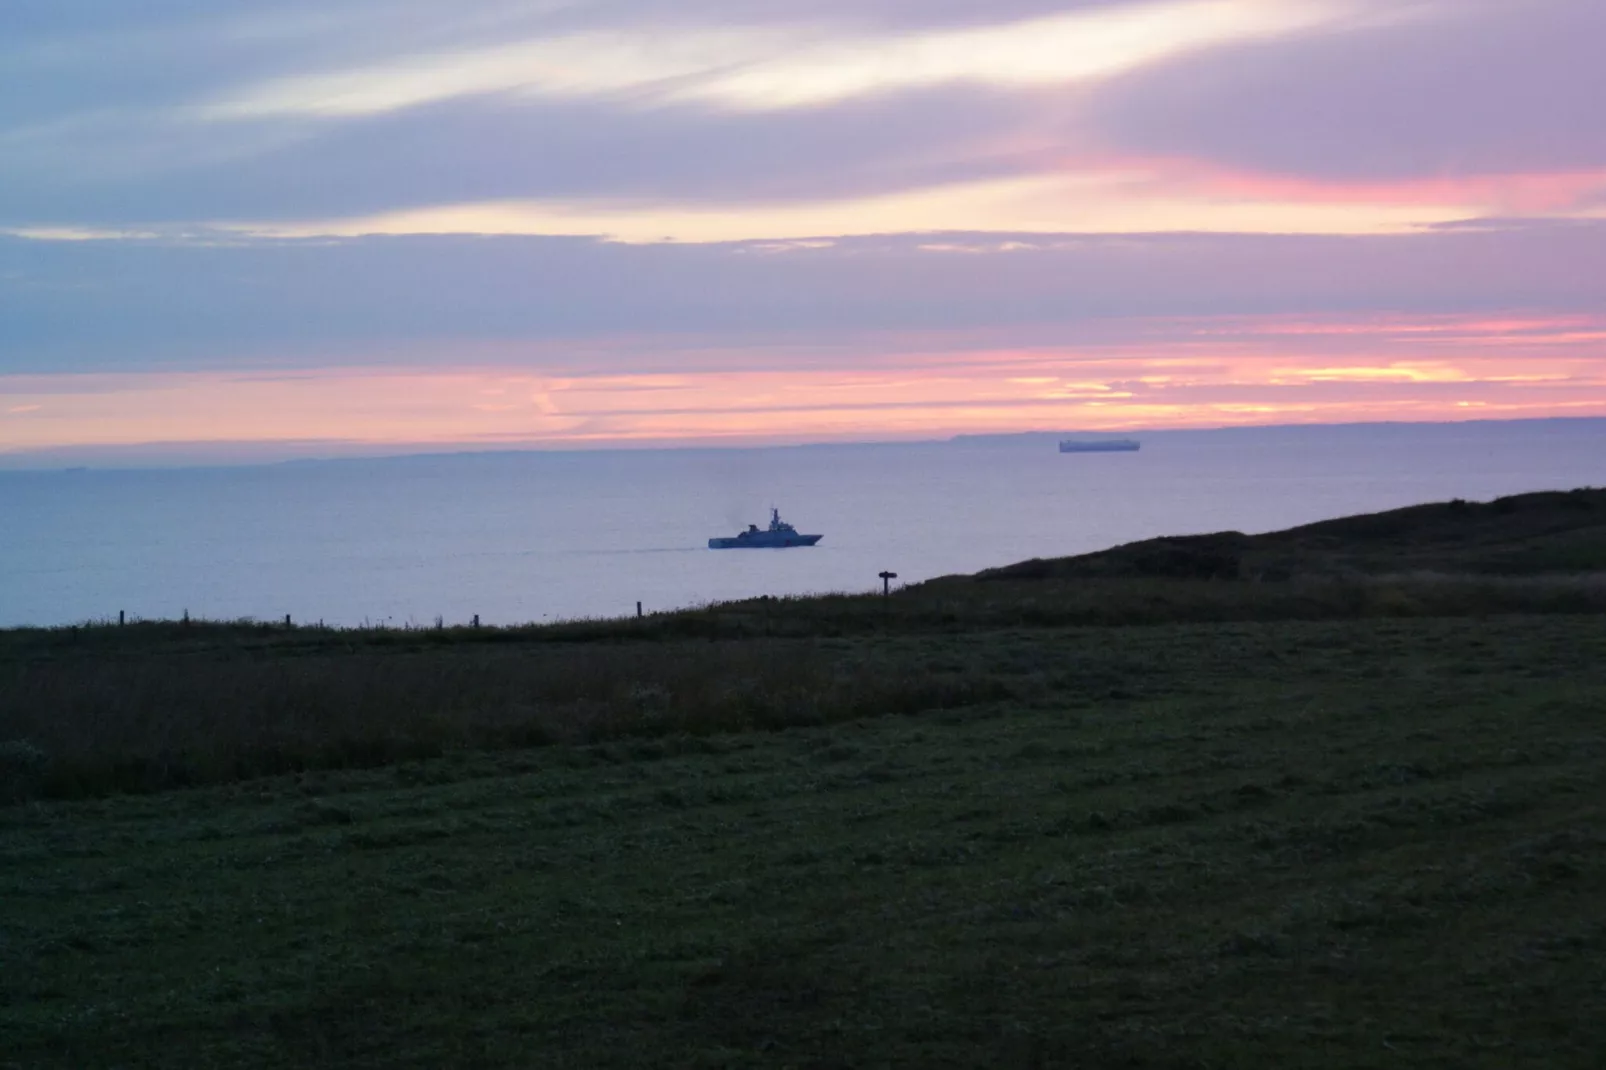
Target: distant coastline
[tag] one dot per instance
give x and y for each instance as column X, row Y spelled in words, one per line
column 1254, row 429
column 177, row 455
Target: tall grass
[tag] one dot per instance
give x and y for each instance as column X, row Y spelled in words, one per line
column 92, row 725
column 92, row 710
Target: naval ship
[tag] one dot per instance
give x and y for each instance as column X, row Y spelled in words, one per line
column 779, row 536
column 1099, row 445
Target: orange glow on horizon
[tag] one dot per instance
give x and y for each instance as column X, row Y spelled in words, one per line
column 1158, row 374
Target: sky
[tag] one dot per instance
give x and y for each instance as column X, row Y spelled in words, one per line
column 239, row 229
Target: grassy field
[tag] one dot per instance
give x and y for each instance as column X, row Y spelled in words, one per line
column 1333, row 797
column 155, row 705
column 1362, row 841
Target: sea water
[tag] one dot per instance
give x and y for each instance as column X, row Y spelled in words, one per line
column 536, row 536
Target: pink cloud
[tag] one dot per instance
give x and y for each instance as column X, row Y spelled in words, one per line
column 1147, row 373
column 1495, row 194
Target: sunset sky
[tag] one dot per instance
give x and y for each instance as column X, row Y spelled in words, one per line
column 235, row 228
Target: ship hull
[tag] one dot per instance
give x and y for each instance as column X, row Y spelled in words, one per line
column 1120, row 446
column 764, row 542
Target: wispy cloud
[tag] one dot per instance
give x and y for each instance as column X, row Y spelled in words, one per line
column 1218, row 373
column 1092, row 203
column 1478, row 87
column 778, row 67
column 442, row 301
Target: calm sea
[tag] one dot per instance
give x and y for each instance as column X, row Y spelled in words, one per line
column 518, row 537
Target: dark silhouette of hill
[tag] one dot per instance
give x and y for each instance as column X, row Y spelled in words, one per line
column 1522, row 535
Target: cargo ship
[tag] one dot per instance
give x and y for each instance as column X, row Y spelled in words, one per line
column 1099, row 445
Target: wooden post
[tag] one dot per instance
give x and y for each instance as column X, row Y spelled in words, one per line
column 886, row 583
column 638, row 610
column 121, row 617
column 287, row 620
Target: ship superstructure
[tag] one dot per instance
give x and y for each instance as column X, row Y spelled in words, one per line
column 779, row 535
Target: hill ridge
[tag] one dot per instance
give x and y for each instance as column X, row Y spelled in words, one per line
column 1524, row 534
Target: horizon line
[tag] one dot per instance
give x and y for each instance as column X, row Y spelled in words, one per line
column 421, row 451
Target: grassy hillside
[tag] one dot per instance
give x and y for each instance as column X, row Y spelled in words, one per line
column 1523, row 535
column 1338, row 844
column 1351, row 819
column 101, row 710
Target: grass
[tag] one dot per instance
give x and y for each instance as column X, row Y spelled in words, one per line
column 1328, row 843
column 1550, row 532
column 88, row 722
column 1082, row 813
column 102, row 709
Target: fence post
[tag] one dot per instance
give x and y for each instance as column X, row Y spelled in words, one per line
column 121, row 617
column 638, row 610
